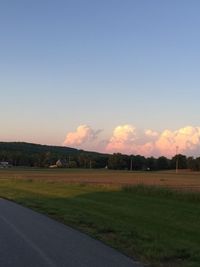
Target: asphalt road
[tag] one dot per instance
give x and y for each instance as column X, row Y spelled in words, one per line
column 30, row 239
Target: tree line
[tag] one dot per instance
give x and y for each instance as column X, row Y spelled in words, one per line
column 137, row 162
column 33, row 155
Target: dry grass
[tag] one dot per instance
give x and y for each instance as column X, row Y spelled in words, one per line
column 184, row 180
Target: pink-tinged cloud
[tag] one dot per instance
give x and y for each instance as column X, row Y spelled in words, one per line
column 123, row 138
column 187, row 140
column 129, row 140
column 83, row 135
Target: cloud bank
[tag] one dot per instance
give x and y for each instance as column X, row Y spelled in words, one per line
column 128, row 139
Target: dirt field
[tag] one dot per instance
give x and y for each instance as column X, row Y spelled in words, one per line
column 184, row 180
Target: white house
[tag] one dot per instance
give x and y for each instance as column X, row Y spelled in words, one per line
column 4, row 164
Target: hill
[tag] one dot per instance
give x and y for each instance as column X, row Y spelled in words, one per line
column 29, row 154
column 36, row 155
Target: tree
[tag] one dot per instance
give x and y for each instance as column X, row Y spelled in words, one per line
column 139, row 162
column 182, row 162
column 163, row 163
column 192, row 164
column 151, row 163
column 118, row 161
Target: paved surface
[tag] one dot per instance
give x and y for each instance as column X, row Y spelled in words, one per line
column 29, row 239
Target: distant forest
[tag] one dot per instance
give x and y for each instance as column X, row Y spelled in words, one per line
column 34, row 155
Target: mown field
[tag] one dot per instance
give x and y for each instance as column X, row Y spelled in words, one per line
column 135, row 212
column 183, row 180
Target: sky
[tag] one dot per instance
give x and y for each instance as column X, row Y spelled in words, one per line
column 109, row 76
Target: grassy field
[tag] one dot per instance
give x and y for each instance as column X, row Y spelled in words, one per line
column 183, row 180
column 150, row 223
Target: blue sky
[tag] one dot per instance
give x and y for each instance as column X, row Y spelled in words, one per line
column 102, row 64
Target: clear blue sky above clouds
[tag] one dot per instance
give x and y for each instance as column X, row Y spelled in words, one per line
column 103, row 63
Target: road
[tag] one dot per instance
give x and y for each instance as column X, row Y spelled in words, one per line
column 30, row 239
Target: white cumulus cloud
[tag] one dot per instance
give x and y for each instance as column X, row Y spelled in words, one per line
column 128, row 139
column 187, row 139
column 151, row 133
column 83, row 134
column 122, row 140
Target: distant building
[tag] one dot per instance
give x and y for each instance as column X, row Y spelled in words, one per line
column 53, row 166
column 4, row 164
column 61, row 163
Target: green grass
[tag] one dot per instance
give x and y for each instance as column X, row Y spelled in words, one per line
column 154, row 225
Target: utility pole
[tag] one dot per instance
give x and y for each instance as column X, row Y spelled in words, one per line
column 177, row 159
column 131, row 164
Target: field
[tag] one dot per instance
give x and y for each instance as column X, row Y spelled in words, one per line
column 135, row 212
column 184, row 180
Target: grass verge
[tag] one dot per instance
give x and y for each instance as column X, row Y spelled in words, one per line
column 154, row 225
